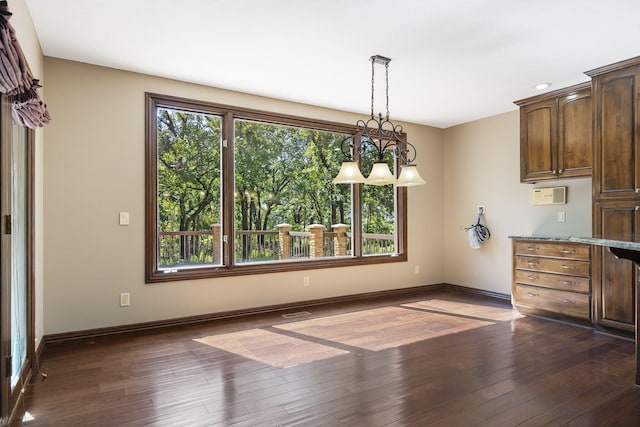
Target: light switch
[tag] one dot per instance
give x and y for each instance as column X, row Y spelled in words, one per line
column 124, row 218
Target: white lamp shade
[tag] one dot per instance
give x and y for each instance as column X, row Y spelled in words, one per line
column 410, row 177
column 380, row 175
column 349, row 174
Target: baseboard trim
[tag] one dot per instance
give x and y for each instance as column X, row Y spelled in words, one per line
column 37, row 358
column 612, row 332
column 182, row 321
column 140, row 327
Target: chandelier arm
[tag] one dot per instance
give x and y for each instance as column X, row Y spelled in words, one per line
column 408, row 153
column 348, row 147
column 361, row 146
column 388, row 145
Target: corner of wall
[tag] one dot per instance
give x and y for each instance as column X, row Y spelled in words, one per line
column 482, row 167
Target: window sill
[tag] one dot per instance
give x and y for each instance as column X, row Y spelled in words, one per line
column 213, row 272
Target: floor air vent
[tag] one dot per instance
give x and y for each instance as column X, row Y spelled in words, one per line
column 297, row 314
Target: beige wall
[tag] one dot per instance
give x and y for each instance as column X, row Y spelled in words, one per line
column 482, row 167
column 26, row 34
column 94, row 168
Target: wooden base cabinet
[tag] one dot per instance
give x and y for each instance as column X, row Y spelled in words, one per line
column 614, row 278
column 552, row 278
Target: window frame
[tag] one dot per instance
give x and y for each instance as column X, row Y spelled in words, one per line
column 228, row 268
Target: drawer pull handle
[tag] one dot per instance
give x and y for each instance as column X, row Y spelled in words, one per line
column 533, row 249
column 568, row 282
column 568, row 301
column 567, row 251
column 569, row 267
column 531, row 295
column 532, row 278
column 533, row 263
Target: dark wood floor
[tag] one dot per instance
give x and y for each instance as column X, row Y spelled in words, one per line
column 440, row 358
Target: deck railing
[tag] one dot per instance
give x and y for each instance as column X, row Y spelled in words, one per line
column 187, row 247
column 204, row 247
column 253, row 245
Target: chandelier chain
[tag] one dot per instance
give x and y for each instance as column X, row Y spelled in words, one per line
column 373, row 80
column 386, row 66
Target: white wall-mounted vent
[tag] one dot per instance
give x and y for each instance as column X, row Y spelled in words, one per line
column 549, row 196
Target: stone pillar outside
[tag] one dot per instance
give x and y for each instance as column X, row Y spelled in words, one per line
column 315, row 240
column 340, row 239
column 284, row 241
column 216, row 242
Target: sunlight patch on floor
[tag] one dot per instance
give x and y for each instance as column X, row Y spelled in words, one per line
column 382, row 328
column 466, row 309
column 271, row 348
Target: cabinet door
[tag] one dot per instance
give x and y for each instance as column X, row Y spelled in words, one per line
column 575, row 134
column 615, row 279
column 617, row 112
column 538, row 141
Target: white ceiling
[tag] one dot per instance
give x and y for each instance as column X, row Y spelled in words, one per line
column 453, row 61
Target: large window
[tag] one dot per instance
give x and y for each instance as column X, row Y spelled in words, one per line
column 236, row 191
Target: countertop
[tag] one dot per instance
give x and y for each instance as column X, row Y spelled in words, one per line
column 543, row 238
column 621, row 241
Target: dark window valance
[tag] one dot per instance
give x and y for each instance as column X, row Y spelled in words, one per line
column 16, row 79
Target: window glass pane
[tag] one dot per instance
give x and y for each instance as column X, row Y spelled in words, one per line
column 378, row 214
column 18, row 251
column 189, row 189
column 286, row 206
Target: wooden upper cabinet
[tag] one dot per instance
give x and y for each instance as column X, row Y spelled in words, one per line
column 575, row 134
column 556, row 134
column 617, row 134
column 538, row 140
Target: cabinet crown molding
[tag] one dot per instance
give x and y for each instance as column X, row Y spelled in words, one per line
column 613, row 67
column 553, row 94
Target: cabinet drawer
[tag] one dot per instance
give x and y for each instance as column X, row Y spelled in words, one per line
column 551, row 265
column 554, row 281
column 556, row 250
column 561, row 302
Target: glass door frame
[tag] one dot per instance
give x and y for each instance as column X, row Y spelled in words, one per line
column 11, row 397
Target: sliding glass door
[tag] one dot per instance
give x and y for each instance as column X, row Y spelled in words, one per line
column 19, row 220
column 15, row 259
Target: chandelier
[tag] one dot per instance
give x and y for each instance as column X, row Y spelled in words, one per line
column 379, row 135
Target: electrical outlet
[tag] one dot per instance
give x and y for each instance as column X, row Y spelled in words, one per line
column 416, row 269
column 561, row 216
column 305, row 281
column 125, row 299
